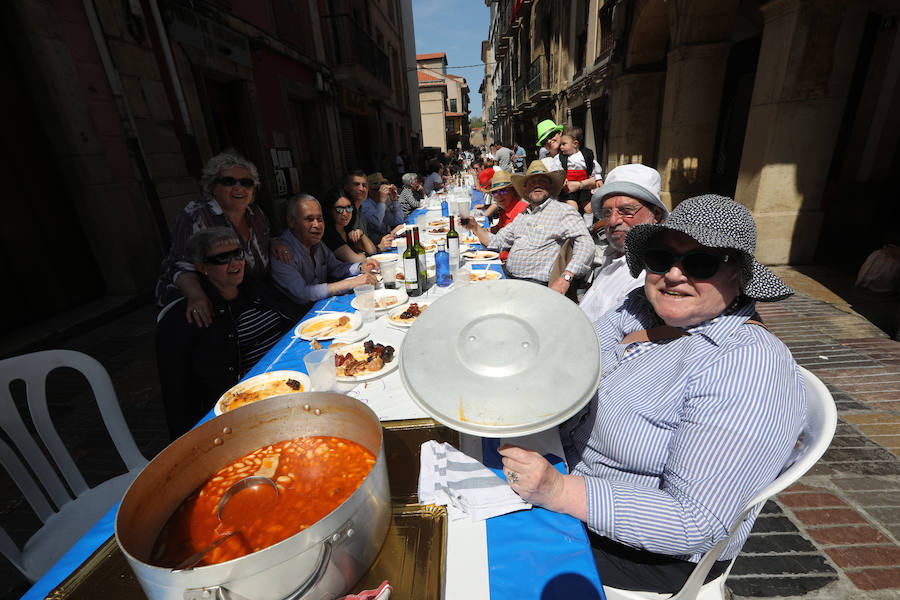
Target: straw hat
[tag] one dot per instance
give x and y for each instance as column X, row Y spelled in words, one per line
column 715, row 222
column 500, row 180
column 376, row 179
column 537, row 167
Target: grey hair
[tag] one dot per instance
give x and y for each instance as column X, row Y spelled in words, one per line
column 222, row 161
column 200, row 242
column 409, row 178
column 295, row 199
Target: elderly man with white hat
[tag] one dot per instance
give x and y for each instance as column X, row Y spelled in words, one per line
column 535, row 236
column 630, row 197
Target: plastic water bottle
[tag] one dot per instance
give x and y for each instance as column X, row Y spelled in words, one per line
column 445, row 209
column 442, row 265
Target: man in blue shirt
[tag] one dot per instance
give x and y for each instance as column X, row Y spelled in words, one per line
column 314, row 272
column 381, row 210
column 519, row 160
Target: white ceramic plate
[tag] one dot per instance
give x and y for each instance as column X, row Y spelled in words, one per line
column 386, row 299
column 484, row 275
column 481, row 255
column 265, row 385
column 308, row 329
column 368, row 375
column 391, row 316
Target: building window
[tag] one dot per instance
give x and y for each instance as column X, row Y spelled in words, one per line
column 452, row 104
column 581, row 35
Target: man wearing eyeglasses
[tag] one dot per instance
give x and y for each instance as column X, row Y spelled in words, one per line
column 315, row 272
column 629, row 197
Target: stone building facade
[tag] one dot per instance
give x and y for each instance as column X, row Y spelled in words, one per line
column 444, row 103
column 117, row 106
column 790, row 106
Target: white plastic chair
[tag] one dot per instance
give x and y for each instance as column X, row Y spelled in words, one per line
column 815, row 439
column 66, row 516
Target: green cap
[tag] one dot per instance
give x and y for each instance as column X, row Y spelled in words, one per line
column 546, row 128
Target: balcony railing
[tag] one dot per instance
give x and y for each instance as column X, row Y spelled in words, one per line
column 538, row 77
column 503, row 97
column 519, row 97
column 350, row 44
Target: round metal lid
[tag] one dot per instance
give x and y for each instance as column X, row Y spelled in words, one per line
column 501, row 359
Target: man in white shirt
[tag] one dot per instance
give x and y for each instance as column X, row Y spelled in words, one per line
column 629, row 197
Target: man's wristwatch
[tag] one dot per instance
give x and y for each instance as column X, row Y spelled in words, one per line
column 568, row 277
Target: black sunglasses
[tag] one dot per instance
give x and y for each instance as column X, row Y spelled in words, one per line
column 231, row 182
column 224, row 258
column 342, row 209
column 696, row 264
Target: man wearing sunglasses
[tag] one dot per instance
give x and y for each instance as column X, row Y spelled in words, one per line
column 629, row 197
column 315, row 272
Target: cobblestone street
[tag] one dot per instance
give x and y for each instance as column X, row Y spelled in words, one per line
column 834, row 535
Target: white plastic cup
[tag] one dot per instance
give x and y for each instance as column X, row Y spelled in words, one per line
column 321, row 369
column 388, row 267
column 365, row 301
column 401, row 245
column 462, row 276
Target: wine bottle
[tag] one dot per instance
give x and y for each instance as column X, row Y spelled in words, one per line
column 453, row 246
column 423, row 263
column 411, row 268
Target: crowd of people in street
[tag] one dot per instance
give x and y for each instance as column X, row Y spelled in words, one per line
column 663, row 458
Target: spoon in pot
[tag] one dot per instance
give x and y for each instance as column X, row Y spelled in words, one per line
column 261, row 479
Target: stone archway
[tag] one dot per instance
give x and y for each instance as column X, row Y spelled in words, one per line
column 648, row 41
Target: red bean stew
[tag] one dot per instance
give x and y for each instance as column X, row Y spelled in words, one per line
column 315, row 475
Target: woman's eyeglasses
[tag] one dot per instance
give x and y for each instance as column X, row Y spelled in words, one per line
column 343, row 209
column 232, row 181
column 696, row 264
column 224, row 258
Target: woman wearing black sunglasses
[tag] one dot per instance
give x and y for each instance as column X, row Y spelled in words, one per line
column 229, row 182
column 338, row 209
column 698, row 408
column 197, row 364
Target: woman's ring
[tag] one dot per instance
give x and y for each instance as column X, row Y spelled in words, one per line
column 512, row 476
column 195, row 310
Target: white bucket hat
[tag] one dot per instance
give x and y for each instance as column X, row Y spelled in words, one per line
column 636, row 180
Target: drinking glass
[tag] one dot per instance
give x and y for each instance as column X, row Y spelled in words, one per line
column 321, row 370
column 365, row 301
column 462, row 276
column 463, row 209
column 388, row 266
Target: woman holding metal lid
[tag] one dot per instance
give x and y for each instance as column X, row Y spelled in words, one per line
column 698, row 408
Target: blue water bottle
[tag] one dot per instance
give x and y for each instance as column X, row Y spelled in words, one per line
column 445, row 210
column 442, row 265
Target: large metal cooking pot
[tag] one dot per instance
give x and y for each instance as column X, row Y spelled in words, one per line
column 321, row 562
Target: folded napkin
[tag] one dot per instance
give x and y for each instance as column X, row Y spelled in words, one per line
column 465, row 486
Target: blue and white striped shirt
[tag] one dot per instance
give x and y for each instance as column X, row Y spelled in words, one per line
column 682, row 433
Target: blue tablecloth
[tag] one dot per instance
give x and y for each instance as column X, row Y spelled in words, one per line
column 535, row 554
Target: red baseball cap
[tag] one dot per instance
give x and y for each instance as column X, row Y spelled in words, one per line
column 485, row 176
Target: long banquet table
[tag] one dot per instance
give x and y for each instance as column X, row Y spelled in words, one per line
column 522, row 555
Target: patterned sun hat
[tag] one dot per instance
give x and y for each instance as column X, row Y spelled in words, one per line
column 714, row 222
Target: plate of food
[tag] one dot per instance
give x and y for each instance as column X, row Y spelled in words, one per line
column 265, row 385
column 480, row 255
column 438, row 230
column 438, row 223
column 405, row 316
column 469, row 238
column 484, row 275
column 364, row 361
column 385, row 299
column 327, row 326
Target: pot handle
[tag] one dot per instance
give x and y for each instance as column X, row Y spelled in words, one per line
column 317, row 574
column 218, row 592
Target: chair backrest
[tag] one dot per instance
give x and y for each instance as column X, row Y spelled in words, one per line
column 821, row 421
column 33, row 370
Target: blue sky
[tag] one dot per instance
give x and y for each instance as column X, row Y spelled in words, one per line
column 456, row 27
